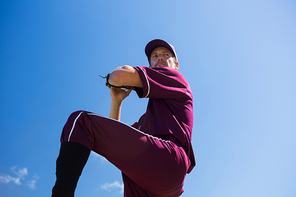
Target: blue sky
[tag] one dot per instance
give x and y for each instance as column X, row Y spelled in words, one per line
column 238, row 56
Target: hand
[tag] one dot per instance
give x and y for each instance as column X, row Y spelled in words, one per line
column 118, row 94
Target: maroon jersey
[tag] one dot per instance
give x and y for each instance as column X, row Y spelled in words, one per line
column 169, row 113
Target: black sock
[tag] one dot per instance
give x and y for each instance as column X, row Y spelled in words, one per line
column 70, row 163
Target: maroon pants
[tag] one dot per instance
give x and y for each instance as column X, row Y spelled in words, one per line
column 150, row 166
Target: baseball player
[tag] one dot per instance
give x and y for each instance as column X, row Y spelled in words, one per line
column 155, row 153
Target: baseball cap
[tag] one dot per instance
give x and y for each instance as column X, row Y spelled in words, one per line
column 159, row 43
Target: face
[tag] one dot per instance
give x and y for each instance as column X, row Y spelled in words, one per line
column 163, row 57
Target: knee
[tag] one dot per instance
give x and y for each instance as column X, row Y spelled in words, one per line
column 76, row 114
column 73, row 118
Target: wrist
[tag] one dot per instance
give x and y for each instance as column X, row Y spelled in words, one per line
column 116, row 101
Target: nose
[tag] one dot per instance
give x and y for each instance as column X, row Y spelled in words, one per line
column 160, row 58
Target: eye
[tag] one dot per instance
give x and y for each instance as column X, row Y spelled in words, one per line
column 154, row 56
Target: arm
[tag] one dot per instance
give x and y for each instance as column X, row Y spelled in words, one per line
column 126, row 76
column 117, row 96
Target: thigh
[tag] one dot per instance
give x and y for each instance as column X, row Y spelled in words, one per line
column 108, row 137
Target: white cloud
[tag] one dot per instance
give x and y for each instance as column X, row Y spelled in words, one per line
column 8, row 179
column 20, row 175
column 32, row 184
column 20, row 172
column 98, row 157
column 112, row 186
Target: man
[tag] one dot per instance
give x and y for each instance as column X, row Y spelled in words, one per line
column 155, row 153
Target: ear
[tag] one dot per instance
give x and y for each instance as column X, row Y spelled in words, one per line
column 176, row 65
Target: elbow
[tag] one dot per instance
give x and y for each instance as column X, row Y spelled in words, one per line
column 118, row 75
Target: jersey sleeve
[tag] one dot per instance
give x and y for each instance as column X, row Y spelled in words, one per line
column 162, row 82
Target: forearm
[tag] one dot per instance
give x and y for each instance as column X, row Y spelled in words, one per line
column 115, row 110
column 118, row 94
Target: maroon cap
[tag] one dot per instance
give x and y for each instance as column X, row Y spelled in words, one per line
column 159, row 43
